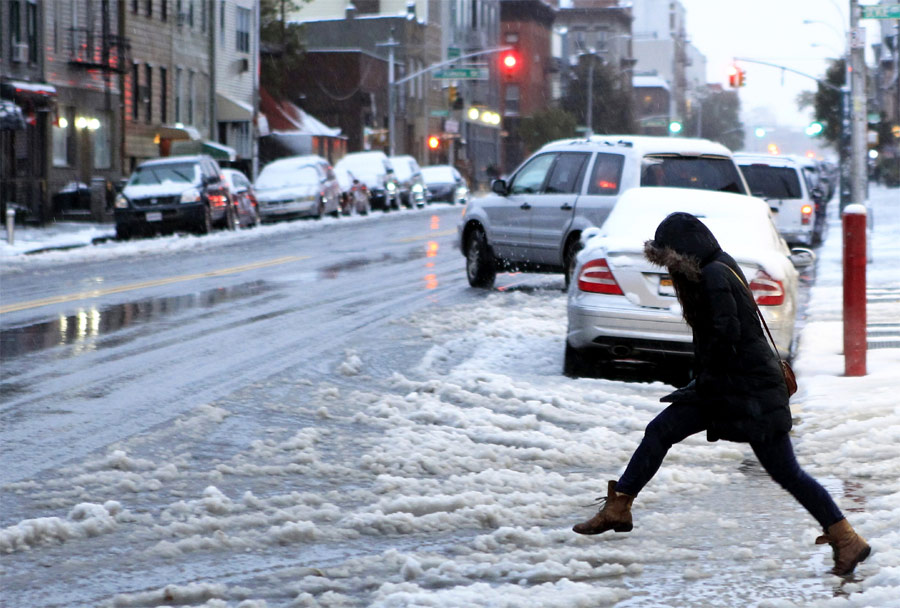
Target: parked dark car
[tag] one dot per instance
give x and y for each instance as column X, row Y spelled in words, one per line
column 446, row 184
column 244, row 197
column 176, row 192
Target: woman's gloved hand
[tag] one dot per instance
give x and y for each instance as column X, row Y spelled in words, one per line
column 685, row 393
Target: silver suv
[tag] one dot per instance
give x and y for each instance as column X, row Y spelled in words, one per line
column 533, row 221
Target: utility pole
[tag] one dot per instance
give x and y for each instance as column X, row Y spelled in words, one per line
column 590, row 94
column 391, row 44
column 858, row 106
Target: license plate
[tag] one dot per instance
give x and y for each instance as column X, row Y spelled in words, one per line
column 154, row 216
column 666, row 288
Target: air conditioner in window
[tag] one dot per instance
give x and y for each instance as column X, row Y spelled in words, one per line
column 243, row 65
column 20, row 52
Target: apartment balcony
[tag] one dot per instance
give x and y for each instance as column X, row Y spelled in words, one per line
column 89, row 50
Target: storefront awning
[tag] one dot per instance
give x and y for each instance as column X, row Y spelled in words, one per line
column 230, row 110
column 176, row 133
column 39, row 93
column 219, row 151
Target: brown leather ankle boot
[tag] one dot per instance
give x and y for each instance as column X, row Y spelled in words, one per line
column 847, row 547
column 615, row 514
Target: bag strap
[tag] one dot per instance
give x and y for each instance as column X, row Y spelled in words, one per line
column 755, row 305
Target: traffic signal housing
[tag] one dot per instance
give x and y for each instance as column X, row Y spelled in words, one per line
column 737, row 77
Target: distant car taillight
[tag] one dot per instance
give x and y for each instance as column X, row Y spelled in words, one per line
column 218, row 200
column 596, row 277
column 806, row 214
column 766, row 290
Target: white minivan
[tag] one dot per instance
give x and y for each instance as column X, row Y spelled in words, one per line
column 783, row 183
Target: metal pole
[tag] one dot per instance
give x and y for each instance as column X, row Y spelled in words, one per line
column 858, row 109
column 854, row 262
column 391, row 44
column 590, row 97
column 11, row 225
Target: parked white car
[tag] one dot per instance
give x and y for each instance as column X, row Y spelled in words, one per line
column 622, row 307
column 533, row 221
column 787, row 184
column 298, row 186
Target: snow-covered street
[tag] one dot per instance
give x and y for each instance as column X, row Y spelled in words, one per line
column 455, row 482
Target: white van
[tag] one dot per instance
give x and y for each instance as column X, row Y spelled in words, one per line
column 781, row 181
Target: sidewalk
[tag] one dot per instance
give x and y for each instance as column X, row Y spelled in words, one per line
column 55, row 236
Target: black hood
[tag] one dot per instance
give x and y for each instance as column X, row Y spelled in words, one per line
column 682, row 244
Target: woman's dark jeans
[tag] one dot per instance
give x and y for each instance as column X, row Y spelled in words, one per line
column 680, row 420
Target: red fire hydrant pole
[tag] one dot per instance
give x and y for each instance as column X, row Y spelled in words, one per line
column 854, row 222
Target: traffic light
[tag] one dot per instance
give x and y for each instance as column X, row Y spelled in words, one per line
column 814, row 128
column 434, row 142
column 737, row 77
column 675, row 127
column 510, row 63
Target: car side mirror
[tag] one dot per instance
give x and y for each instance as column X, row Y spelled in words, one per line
column 498, row 186
column 801, row 257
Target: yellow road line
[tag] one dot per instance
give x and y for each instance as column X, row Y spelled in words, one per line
column 96, row 293
column 426, row 237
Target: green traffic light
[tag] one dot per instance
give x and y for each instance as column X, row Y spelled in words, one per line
column 675, row 127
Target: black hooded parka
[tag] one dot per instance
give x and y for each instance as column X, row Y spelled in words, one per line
column 737, row 373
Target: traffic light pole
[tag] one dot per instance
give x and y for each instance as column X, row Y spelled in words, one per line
column 858, row 173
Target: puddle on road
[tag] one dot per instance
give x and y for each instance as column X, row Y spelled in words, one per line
column 91, row 323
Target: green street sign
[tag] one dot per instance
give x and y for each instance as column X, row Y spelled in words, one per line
column 440, row 113
column 468, row 73
column 453, row 52
column 881, row 11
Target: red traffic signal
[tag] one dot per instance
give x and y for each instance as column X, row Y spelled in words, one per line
column 510, row 62
column 736, row 77
column 434, row 142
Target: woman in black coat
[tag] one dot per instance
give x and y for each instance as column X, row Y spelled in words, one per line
column 738, row 393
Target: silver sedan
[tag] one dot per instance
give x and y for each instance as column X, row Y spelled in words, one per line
column 623, row 308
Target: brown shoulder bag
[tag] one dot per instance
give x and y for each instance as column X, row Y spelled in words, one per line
column 790, row 380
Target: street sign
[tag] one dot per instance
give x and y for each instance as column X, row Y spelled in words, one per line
column 440, row 113
column 453, row 52
column 881, row 11
column 464, row 73
column 858, row 38
column 451, row 126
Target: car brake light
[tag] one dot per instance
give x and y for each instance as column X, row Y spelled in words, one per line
column 806, row 213
column 766, row 290
column 596, row 277
column 217, row 200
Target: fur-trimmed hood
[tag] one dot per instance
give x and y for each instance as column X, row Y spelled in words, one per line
column 683, row 244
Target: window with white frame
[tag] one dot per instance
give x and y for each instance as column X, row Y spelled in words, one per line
column 103, row 142
column 62, row 137
column 243, row 30
column 511, row 107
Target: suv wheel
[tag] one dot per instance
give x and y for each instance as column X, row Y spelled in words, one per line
column 480, row 267
column 122, row 233
column 230, row 218
column 205, row 225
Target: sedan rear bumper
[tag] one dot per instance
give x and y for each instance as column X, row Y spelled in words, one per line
column 622, row 332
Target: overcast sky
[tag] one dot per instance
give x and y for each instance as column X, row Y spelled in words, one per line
column 771, row 31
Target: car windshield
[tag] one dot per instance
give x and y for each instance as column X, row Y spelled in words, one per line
column 286, row 177
column 699, row 172
column 438, row 175
column 772, row 182
column 170, row 173
column 402, row 169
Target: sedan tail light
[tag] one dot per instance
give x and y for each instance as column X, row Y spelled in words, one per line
column 806, row 214
column 596, row 277
column 766, row 290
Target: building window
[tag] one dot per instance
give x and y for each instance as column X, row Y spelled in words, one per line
column 15, row 26
column 149, row 8
column 164, row 10
column 148, row 91
column 191, row 13
column 511, row 108
column 32, row 30
column 134, row 6
column 203, row 17
column 62, row 137
column 135, row 90
column 177, row 94
column 163, row 95
column 103, row 143
column 243, row 30
column 222, row 23
column 190, row 98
